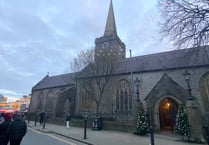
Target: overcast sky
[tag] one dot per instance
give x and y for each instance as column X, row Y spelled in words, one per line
column 40, row 36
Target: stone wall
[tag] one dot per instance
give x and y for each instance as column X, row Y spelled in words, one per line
column 149, row 81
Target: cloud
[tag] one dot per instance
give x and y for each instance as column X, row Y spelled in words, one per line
column 37, row 37
column 9, row 92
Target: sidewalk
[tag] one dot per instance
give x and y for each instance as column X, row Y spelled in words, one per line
column 106, row 137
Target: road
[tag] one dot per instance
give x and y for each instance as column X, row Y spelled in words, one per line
column 38, row 138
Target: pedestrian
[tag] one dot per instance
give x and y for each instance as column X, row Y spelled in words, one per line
column 68, row 118
column 17, row 129
column 41, row 115
column 5, row 121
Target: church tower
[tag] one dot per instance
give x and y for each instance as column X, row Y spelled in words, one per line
column 110, row 44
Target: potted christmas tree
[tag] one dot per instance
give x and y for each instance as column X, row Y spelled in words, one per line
column 142, row 123
column 182, row 126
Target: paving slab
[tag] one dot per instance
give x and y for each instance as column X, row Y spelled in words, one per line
column 107, row 137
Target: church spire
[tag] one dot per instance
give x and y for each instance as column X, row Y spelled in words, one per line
column 110, row 28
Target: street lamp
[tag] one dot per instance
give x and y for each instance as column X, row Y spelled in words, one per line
column 149, row 118
column 137, row 83
column 194, row 114
column 186, row 76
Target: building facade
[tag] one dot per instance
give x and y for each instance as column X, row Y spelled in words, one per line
column 162, row 87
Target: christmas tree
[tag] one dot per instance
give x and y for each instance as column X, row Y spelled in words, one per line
column 182, row 126
column 142, row 124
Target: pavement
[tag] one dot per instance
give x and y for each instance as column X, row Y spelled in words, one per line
column 107, row 137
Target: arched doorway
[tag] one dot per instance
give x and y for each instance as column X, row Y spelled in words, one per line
column 66, row 103
column 167, row 111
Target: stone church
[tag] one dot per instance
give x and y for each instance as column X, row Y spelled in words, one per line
column 161, row 84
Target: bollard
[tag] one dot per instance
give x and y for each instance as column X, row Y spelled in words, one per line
column 28, row 118
column 35, row 120
column 85, row 116
column 85, row 126
column 152, row 135
column 44, row 124
column 152, row 140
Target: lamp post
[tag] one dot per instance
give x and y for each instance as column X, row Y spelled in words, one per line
column 194, row 113
column 186, row 76
column 137, row 83
column 29, row 117
column 45, row 118
column 36, row 117
column 149, row 117
column 136, row 99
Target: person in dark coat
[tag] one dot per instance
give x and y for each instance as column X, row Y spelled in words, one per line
column 68, row 118
column 2, row 133
column 4, row 125
column 41, row 115
column 17, row 129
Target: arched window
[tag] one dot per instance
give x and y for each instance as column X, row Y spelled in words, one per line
column 49, row 102
column 130, row 102
column 40, row 102
column 121, row 99
column 117, row 100
column 86, row 100
column 67, row 106
column 204, row 91
column 124, row 99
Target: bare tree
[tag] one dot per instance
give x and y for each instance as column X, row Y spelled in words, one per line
column 83, row 59
column 186, row 22
column 95, row 75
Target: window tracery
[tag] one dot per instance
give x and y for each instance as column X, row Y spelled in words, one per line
column 204, row 91
column 86, row 100
column 124, row 97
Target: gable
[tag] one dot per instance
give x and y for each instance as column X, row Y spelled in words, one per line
column 166, row 86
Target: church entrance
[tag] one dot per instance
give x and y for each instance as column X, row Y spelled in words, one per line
column 167, row 110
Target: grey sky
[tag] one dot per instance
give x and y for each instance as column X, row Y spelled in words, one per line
column 40, row 36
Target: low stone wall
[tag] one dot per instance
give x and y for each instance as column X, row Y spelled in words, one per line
column 107, row 124
column 119, row 126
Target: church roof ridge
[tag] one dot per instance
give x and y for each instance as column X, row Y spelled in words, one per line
column 55, row 81
column 175, row 59
column 40, row 81
column 173, row 51
column 182, row 58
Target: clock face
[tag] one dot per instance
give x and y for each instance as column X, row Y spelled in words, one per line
column 105, row 45
column 120, row 48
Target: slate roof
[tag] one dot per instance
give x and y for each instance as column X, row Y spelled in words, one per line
column 176, row 59
column 182, row 58
column 55, row 81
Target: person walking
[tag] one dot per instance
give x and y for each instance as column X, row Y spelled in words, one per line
column 2, row 131
column 68, row 118
column 4, row 125
column 17, row 129
column 41, row 115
